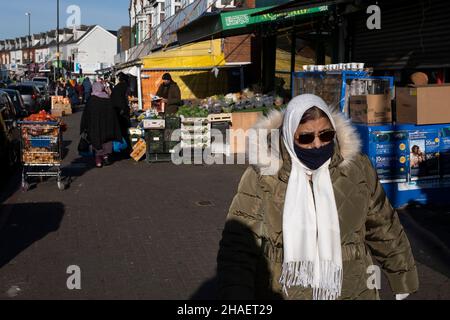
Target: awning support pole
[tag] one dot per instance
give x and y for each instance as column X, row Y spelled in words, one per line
column 242, row 78
column 293, row 53
column 139, row 87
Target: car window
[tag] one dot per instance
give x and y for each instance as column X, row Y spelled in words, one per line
column 27, row 90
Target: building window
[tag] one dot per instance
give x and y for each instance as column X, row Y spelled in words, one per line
column 161, row 17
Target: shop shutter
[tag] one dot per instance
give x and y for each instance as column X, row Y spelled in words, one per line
column 414, row 34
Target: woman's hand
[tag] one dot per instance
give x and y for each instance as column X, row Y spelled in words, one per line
column 401, row 296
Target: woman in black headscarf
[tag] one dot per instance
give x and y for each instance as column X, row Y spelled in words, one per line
column 100, row 122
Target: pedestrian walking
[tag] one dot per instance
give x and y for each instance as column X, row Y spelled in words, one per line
column 313, row 227
column 100, row 124
column 119, row 99
column 87, row 89
column 61, row 89
column 72, row 93
column 79, row 89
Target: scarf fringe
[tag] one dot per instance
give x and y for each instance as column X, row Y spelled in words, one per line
column 301, row 273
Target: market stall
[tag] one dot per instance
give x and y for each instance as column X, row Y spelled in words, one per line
column 200, row 70
column 200, row 122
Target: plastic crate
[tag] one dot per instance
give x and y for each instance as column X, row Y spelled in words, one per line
column 173, row 123
column 154, row 140
column 153, row 123
column 193, row 120
column 159, row 157
column 168, row 135
column 154, row 135
column 169, row 146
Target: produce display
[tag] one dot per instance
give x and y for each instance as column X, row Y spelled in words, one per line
column 42, row 116
column 39, row 156
column 192, row 112
column 40, row 135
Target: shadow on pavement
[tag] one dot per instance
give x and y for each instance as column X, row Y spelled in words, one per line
column 428, row 229
column 242, row 270
column 65, row 148
column 27, row 224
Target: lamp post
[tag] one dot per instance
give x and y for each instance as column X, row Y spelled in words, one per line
column 29, row 23
column 57, row 38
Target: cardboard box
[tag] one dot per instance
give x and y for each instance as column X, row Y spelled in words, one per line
column 370, row 109
column 61, row 110
column 423, row 104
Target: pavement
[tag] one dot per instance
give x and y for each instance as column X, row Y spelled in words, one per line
column 149, row 231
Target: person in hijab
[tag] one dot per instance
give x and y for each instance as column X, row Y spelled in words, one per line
column 119, row 99
column 310, row 219
column 87, row 89
column 171, row 94
column 99, row 121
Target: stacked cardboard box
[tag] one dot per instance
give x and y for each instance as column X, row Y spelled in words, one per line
column 371, row 108
column 422, row 105
column 61, row 106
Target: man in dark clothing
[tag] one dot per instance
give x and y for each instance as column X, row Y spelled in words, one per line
column 171, row 94
column 119, row 99
column 87, row 89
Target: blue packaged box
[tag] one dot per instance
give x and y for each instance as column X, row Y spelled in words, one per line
column 412, row 162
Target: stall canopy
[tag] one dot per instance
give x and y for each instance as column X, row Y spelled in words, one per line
column 238, row 22
column 202, row 55
column 197, row 68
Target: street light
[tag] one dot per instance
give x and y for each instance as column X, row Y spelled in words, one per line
column 57, row 37
column 29, row 23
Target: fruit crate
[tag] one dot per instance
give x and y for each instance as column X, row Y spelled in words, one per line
column 173, row 123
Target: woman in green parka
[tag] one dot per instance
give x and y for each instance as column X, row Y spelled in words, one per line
column 311, row 222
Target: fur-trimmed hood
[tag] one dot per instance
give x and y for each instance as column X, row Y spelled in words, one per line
column 347, row 148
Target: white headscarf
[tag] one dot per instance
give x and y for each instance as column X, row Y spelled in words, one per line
column 311, row 233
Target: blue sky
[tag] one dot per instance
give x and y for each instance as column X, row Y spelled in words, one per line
column 111, row 14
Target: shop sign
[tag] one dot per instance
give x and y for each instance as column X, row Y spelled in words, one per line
column 241, row 19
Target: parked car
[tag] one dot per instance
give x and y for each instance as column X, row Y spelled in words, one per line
column 45, row 80
column 45, row 94
column 17, row 100
column 30, row 94
column 9, row 133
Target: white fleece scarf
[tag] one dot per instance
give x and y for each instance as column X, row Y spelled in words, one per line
column 311, row 233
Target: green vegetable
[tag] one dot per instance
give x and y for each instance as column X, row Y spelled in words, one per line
column 192, row 112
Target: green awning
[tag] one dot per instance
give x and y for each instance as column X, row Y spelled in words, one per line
column 238, row 22
column 245, row 18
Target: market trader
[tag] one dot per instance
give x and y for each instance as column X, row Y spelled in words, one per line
column 171, row 94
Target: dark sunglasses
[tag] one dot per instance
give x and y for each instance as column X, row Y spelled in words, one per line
column 324, row 136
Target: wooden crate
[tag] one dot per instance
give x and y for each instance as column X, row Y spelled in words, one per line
column 139, row 150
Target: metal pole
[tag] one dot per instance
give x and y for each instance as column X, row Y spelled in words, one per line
column 139, row 87
column 57, row 37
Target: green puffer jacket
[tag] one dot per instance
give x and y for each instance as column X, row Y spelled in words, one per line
column 251, row 250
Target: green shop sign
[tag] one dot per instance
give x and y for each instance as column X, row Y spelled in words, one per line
column 241, row 19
